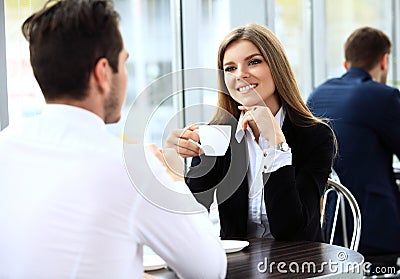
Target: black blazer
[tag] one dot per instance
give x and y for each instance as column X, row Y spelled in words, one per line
column 292, row 193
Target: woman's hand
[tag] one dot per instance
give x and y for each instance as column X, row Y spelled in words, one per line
column 184, row 141
column 262, row 118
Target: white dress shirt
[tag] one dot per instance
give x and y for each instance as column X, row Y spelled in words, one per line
column 68, row 208
column 262, row 159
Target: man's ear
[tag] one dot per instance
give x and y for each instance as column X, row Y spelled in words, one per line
column 384, row 62
column 101, row 74
column 345, row 65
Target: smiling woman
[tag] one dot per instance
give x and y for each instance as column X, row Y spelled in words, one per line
column 269, row 182
column 248, row 77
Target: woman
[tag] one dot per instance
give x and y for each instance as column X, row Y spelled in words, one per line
column 270, row 180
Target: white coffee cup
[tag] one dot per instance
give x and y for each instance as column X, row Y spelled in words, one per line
column 214, row 139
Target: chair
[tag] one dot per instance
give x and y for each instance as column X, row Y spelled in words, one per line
column 329, row 217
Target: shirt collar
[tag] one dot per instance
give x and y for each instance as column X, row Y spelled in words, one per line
column 71, row 116
column 239, row 134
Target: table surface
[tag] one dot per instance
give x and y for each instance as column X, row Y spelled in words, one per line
column 267, row 258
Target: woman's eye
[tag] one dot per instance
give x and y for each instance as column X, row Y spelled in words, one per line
column 229, row 69
column 254, row 62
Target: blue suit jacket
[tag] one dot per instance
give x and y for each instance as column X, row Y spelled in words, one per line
column 365, row 115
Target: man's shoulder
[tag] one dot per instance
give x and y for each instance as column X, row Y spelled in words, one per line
column 376, row 94
column 329, row 86
column 337, row 87
column 383, row 87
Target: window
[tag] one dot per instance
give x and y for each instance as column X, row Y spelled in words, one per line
column 164, row 37
column 146, row 27
column 147, row 30
column 291, row 30
column 24, row 95
column 342, row 18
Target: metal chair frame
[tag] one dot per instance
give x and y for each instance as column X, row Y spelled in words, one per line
column 334, row 185
column 343, row 194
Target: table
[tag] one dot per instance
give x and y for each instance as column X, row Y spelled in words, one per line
column 267, row 258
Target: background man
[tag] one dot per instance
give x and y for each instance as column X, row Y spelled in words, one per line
column 365, row 115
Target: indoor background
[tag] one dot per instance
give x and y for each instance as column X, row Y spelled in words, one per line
column 166, row 36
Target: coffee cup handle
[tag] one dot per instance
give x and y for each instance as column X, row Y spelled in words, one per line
column 195, row 142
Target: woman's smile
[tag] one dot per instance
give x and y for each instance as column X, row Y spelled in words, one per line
column 248, row 76
column 247, row 88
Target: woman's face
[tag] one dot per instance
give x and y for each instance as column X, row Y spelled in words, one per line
column 248, row 76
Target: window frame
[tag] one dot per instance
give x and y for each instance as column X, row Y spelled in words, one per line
column 4, row 118
column 314, row 16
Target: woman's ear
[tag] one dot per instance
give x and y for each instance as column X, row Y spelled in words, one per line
column 101, row 74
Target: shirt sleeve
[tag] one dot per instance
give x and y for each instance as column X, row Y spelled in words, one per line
column 185, row 240
column 274, row 159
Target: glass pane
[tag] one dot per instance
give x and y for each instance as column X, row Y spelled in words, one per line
column 147, row 32
column 24, row 96
column 289, row 28
column 343, row 17
column 206, row 22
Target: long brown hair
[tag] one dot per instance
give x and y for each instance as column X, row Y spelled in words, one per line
column 282, row 74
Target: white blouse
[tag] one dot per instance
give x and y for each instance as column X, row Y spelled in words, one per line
column 262, row 159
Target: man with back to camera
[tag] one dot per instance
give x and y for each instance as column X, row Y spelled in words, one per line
column 365, row 115
column 68, row 208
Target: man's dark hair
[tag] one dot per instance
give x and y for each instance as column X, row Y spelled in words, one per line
column 66, row 40
column 365, row 47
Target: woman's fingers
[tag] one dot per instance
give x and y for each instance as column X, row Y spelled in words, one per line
column 184, row 141
column 187, row 148
column 265, row 122
column 192, row 127
column 189, row 133
column 248, row 117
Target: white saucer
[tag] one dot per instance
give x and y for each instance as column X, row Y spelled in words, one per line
column 232, row 246
column 153, row 262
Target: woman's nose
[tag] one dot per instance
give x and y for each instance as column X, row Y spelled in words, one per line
column 242, row 72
